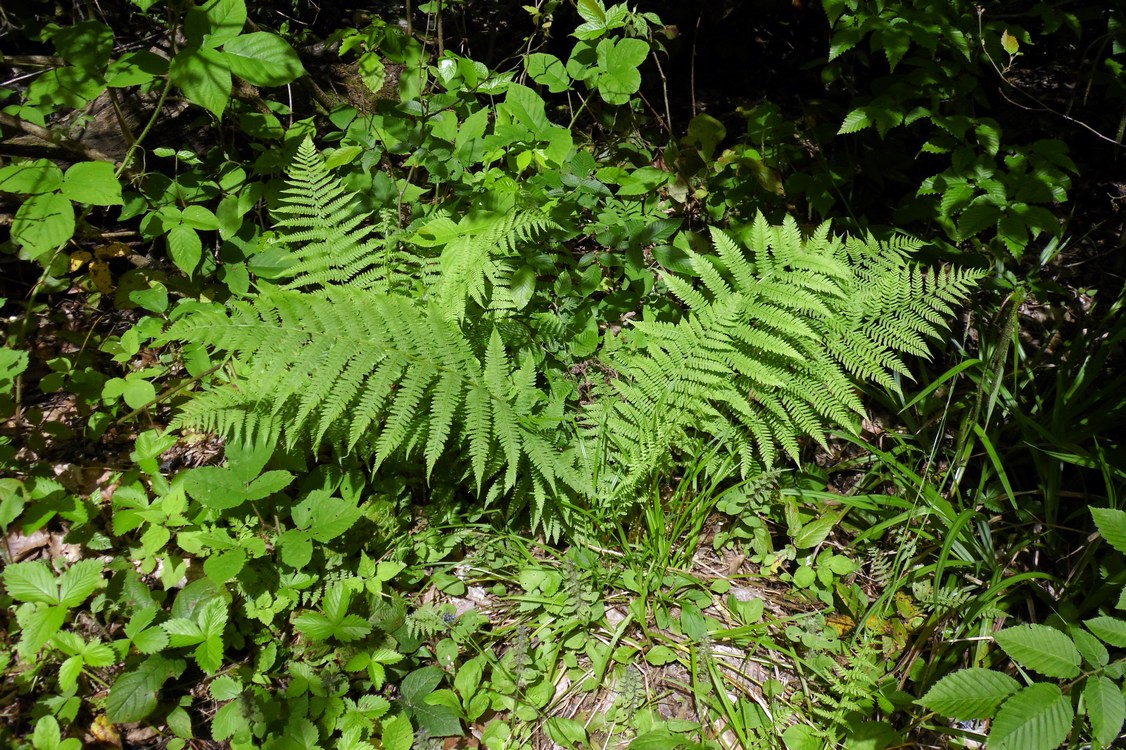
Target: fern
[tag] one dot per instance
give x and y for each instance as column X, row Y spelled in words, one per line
column 773, row 340
column 356, row 368
column 327, row 240
column 368, row 347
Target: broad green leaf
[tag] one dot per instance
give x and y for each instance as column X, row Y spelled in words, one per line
column 86, row 45
column 138, row 393
column 815, row 532
column 68, row 673
column 226, row 19
column 43, row 223
column 468, row 677
column 801, row 737
column 1106, row 708
column 978, row 216
column 1112, row 526
column 134, row 694
column 397, row 733
column 185, row 248
column 372, row 71
column 659, row 655
column 548, row 70
column 1041, row 649
column 79, row 581
column 351, row 628
column 39, row 626
column 1110, row 629
column 527, row 108
column 47, row 734
column 566, row 732
column 314, row 625
column 224, row 566
column 971, row 693
column 69, row 87
column 205, row 78
column 1037, row 718
column 1091, row 648
column 437, row 721
column 619, row 61
column 31, row 177
column 31, row 582
column 230, row 720
column 183, row 632
column 854, row 121
column 93, row 183
column 213, row 618
column 332, row 517
column 296, row 548
column 658, row 739
column 215, row 487
column 263, row 59
column 135, row 69
column 209, row 655
column 199, row 217
column 225, row 688
column 268, row 484
column 1009, row 42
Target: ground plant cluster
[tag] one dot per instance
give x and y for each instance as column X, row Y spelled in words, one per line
column 462, row 373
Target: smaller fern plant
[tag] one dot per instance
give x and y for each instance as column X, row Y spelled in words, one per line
column 772, row 345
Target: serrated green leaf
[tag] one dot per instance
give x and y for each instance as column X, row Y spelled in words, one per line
column 31, row 582
column 1090, row 647
column 133, row 695
column 79, row 581
column 1106, row 708
column 230, row 720
column 397, row 733
column 1110, row 629
column 854, row 121
column 314, row 625
column 351, row 628
column 973, row 693
column 1036, row 718
column 978, row 216
column 214, row 487
column 1041, row 649
column 1112, row 526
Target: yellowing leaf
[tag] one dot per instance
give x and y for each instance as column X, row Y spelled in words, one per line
column 101, row 276
column 1010, row 43
column 78, row 259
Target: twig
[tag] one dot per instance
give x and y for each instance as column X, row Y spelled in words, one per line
column 57, row 139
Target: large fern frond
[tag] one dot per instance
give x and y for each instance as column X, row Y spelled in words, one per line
column 357, row 368
column 772, row 342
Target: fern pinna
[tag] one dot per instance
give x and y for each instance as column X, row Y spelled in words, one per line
column 767, row 351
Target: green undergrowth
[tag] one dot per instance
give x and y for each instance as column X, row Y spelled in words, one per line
column 525, row 406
